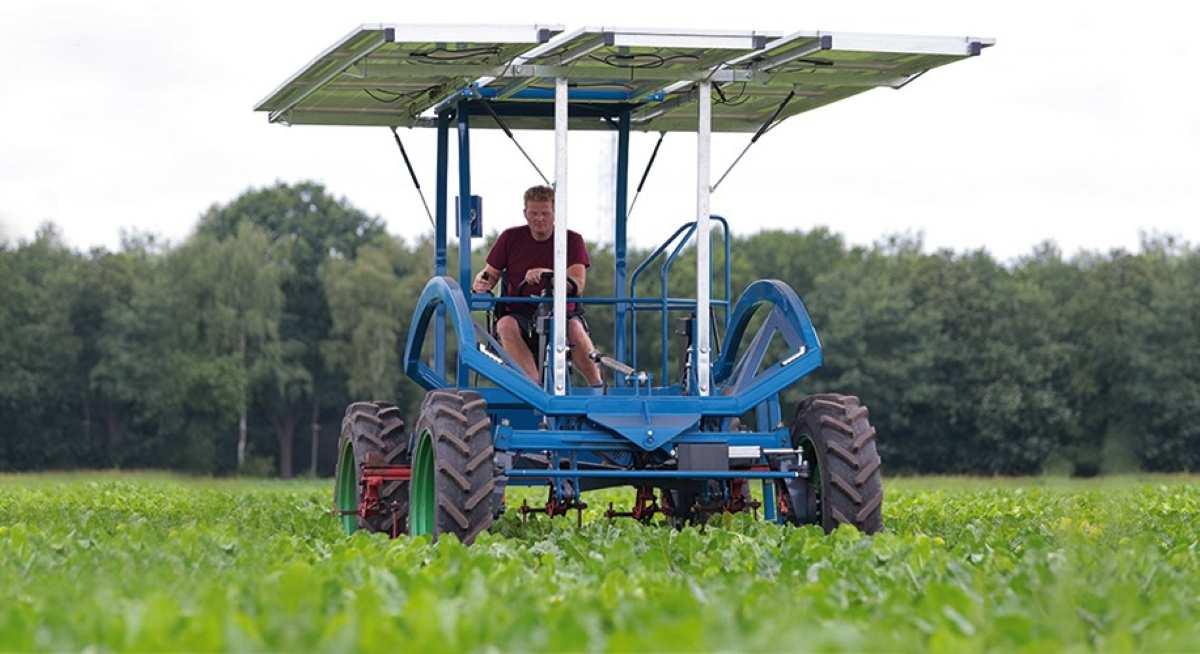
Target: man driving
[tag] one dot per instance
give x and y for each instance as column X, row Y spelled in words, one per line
column 522, row 254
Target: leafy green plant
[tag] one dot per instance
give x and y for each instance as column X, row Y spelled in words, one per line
column 159, row 563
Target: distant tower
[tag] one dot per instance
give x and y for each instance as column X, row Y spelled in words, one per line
column 606, row 168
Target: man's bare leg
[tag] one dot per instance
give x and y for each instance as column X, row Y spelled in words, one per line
column 581, row 348
column 511, row 340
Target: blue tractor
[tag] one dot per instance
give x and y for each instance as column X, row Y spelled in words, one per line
column 690, row 442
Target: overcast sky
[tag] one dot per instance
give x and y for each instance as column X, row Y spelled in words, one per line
column 1081, row 125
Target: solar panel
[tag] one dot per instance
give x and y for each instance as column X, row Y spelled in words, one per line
column 398, row 75
column 803, row 71
column 388, row 74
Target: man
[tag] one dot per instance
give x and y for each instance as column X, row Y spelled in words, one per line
column 522, row 254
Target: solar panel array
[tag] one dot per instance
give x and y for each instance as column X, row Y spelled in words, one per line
column 400, row 75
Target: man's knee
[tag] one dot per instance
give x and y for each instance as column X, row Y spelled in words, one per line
column 509, row 330
column 577, row 334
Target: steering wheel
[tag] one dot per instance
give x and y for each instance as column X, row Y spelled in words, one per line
column 548, row 285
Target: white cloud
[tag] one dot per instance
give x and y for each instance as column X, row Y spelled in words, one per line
column 1079, row 126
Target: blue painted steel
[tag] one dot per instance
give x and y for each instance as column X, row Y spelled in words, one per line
column 664, row 276
column 548, row 94
column 444, row 291
column 464, row 212
column 476, row 212
column 653, row 474
column 768, row 491
column 664, row 273
column 619, row 236
column 789, row 318
column 637, row 272
column 480, row 301
column 537, row 440
column 439, row 233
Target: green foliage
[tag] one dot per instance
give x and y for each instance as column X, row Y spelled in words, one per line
column 113, row 563
column 288, row 303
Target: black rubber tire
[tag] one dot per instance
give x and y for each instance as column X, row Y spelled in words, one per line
column 846, row 485
column 375, row 432
column 464, row 474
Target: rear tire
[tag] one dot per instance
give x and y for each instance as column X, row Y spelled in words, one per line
column 844, row 484
column 454, row 478
column 372, row 434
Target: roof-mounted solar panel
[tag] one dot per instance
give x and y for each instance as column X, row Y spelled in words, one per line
column 389, row 74
column 812, row 69
column 399, row 75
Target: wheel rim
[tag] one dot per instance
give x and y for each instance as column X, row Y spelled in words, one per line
column 421, row 491
column 814, row 481
column 347, row 490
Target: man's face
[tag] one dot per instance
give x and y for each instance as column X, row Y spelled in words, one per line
column 540, row 216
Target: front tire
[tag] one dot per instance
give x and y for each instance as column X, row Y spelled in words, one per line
column 372, row 434
column 454, row 475
column 844, row 483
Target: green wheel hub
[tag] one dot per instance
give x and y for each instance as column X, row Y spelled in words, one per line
column 422, row 495
column 347, row 490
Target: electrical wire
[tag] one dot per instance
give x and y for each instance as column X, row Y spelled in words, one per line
column 455, row 56
column 655, row 60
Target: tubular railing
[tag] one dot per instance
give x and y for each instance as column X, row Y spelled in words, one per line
column 665, row 303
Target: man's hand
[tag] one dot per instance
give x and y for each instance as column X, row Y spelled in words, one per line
column 483, row 282
column 533, row 276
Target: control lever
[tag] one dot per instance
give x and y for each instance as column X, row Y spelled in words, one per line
column 618, row 366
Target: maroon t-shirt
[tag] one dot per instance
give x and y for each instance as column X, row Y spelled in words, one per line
column 516, row 252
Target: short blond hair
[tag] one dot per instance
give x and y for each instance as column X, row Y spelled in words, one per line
column 539, row 194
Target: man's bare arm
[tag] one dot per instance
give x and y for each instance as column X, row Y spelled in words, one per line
column 578, row 273
column 486, row 279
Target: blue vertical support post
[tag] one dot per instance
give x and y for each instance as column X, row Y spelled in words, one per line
column 619, row 236
column 439, row 235
column 464, row 214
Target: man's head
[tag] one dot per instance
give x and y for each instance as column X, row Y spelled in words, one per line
column 539, row 211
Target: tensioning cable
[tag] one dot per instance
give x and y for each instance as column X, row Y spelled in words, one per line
column 645, row 173
column 413, row 175
column 761, row 130
column 507, row 132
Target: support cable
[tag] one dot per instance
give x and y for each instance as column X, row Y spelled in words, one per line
column 645, row 174
column 413, row 175
column 761, row 130
column 507, row 132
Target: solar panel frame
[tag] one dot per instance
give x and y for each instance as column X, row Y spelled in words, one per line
column 369, row 76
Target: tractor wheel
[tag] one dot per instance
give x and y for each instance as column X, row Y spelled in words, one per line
column 453, row 472
column 372, row 434
column 844, row 484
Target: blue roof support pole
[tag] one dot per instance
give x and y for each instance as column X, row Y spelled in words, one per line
column 464, row 215
column 439, row 235
column 619, row 235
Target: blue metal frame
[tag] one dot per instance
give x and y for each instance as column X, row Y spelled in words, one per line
column 631, row 420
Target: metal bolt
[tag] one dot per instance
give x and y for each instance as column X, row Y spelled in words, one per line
column 504, row 422
column 649, row 432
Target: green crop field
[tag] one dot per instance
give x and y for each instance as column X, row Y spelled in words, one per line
column 161, row 563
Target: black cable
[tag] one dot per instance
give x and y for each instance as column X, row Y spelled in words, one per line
column 507, row 132
column 404, row 153
column 383, row 100
column 645, row 174
column 413, row 174
column 778, row 110
column 455, row 55
column 656, row 61
column 650, row 164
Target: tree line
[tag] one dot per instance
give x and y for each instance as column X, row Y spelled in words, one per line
column 238, row 348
